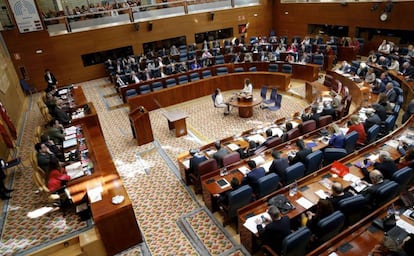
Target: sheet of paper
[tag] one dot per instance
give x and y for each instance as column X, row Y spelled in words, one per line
column 257, row 138
column 233, row 146
column 95, row 194
column 392, row 143
column 373, row 157
column 186, row 163
column 277, row 131
column 351, row 178
column 244, row 170
column 71, row 136
column 259, row 160
column 267, row 165
column 69, row 143
column 305, row 203
column 321, row 194
column 70, row 130
column 250, row 223
column 405, row 225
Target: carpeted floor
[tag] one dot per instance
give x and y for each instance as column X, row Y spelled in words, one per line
column 172, row 219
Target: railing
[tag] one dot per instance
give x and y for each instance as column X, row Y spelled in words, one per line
column 106, row 18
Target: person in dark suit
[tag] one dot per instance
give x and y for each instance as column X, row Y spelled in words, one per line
column 408, row 112
column 380, row 110
column 221, row 152
column 224, row 198
column 254, row 175
column 288, row 127
column 315, row 114
column 328, row 110
column 60, row 114
column 301, row 154
column 386, row 164
column 275, row 230
column 391, row 93
column 50, row 79
column 43, row 156
column 338, row 194
column 377, row 181
column 279, row 165
column 196, row 159
column 372, row 118
column 407, row 70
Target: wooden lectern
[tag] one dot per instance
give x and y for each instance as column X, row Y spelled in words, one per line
column 141, row 125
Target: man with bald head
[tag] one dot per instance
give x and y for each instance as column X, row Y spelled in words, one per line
column 407, row 70
column 377, row 180
column 338, row 194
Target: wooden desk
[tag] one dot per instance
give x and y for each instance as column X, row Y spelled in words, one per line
column 245, row 106
column 176, row 120
column 347, row 53
column 311, row 183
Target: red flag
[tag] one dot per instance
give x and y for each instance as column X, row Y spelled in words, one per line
column 5, row 136
column 6, row 118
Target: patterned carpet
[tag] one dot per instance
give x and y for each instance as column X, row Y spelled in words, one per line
column 172, row 219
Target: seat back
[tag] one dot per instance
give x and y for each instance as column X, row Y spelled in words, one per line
column 182, row 79
column 194, row 76
column 130, row 93
column 267, row 184
column 295, row 244
column 350, row 141
column 156, row 86
column 294, row 172
column 273, row 95
column 231, row 158
column 287, row 68
column 263, row 92
column 330, row 226
column 403, row 177
column 307, row 126
column 333, row 154
column 170, row 82
column 219, row 59
column 294, row 133
column 273, row 142
column 252, row 69
column 354, row 208
column 386, row 192
column 318, row 59
column 372, row 133
column 273, row 67
column 207, row 166
column 313, row 161
column 324, row 120
column 206, row 73
column 239, row 198
column 389, row 124
column 396, row 110
column 348, row 103
column 39, row 177
column 221, row 71
column 239, row 69
column 143, row 89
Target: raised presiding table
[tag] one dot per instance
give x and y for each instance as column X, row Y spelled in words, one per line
column 176, row 120
column 245, row 104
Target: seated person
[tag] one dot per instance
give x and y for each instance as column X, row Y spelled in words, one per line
column 370, row 76
column 44, row 155
column 408, row 112
column 219, row 101
column 336, row 99
column 56, row 177
column 119, row 82
column 384, row 47
column 337, row 139
column 254, row 175
column 60, row 115
column 221, row 152
column 307, row 115
column 300, row 156
column 279, row 165
column 356, row 125
column 288, row 127
column 408, row 155
column 3, row 190
column 338, row 194
column 345, row 67
column 275, row 230
column 328, row 110
column 394, row 65
column 385, row 164
column 196, row 159
column 223, row 198
column 380, row 110
column 377, row 180
column 55, row 149
column 249, row 151
column 310, row 219
column 383, row 62
column 372, row 118
column 391, row 93
column 248, row 87
column 55, row 131
column 407, row 70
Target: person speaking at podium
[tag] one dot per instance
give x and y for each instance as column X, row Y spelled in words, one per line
column 248, row 87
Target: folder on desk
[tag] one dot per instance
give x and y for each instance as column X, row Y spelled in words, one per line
column 69, row 143
column 223, row 183
column 259, row 160
column 244, row 170
column 70, row 130
column 75, row 170
column 233, row 146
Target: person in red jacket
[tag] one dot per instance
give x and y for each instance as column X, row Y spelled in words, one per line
column 57, row 177
column 357, row 126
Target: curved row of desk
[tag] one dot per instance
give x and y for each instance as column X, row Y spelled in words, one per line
column 308, row 72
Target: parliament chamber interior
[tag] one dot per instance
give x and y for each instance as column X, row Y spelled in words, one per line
column 214, row 127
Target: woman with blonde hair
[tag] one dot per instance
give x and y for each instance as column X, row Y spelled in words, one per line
column 338, row 138
column 356, row 125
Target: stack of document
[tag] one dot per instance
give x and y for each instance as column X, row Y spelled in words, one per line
column 257, row 138
column 277, row 131
column 305, row 203
column 259, row 160
column 75, row 170
column 70, row 130
column 233, row 146
column 244, row 170
column 250, row 223
column 69, row 143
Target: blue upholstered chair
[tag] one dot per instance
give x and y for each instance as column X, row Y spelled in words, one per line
column 252, row 69
column 156, row 86
column 194, row 76
column 295, row 244
column 143, row 89
column 267, row 184
column 238, row 69
column 330, row 226
column 236, row 199
column 385, row 193
column 263, row 92
column 354, row 208
column 403, row 177
column 313, row 162
column 287, row 68
column 206, row 73
column 221, row 71
column 388, row 125
column 372, row 134
column 219, row 59
column 278, row 103
column 350, row 141
column 170, row 82
column 182, row 79
column 294, row 172
column 273, row 67
column 130, row 93
column 318, row 59
column 272, row 97
column 332, row 154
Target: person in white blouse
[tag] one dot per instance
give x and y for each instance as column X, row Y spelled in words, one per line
column 384, row 47
column 248, row 87
column 219, row 101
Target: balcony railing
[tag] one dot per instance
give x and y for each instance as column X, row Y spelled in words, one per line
column 106, row 18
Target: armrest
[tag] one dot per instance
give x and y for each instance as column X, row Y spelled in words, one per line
column 267, row 249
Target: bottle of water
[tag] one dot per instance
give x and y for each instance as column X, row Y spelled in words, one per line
column 293, row 189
